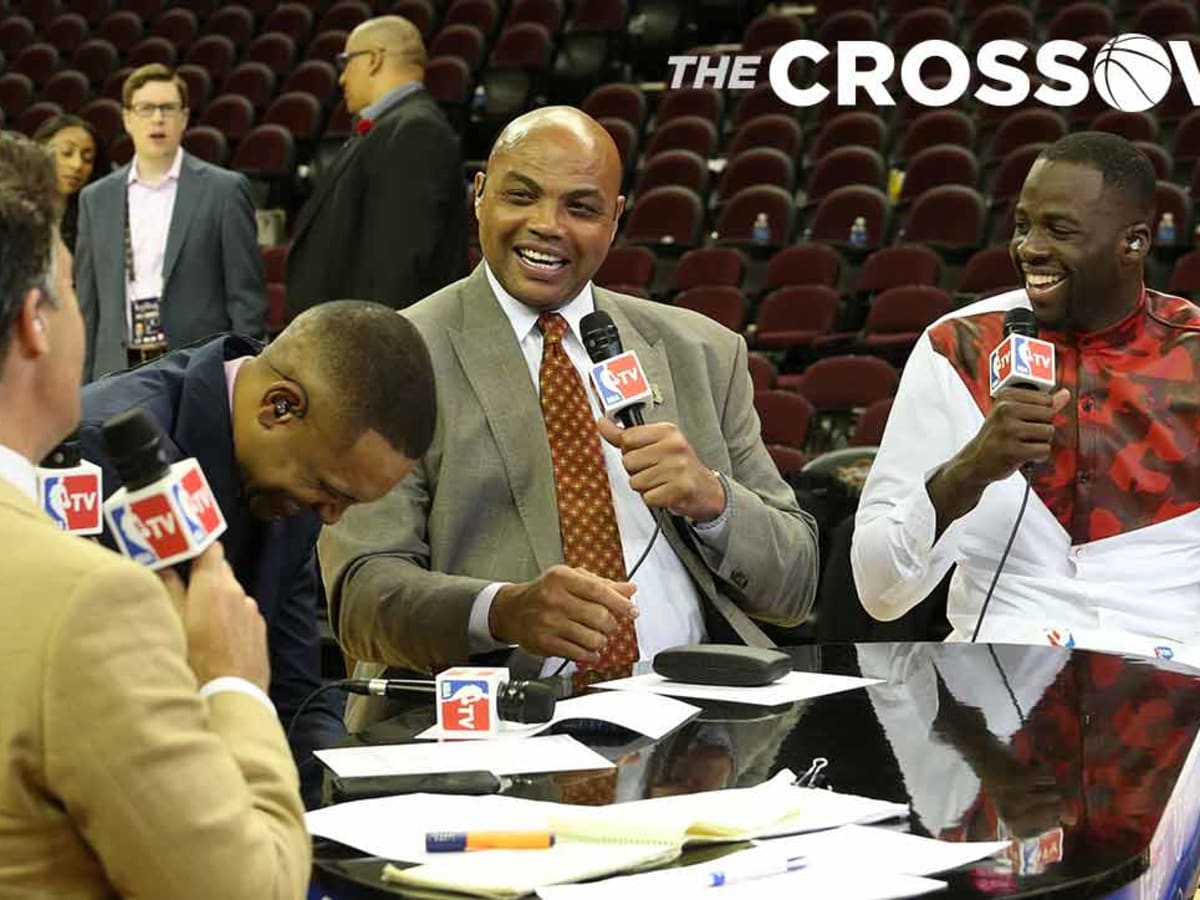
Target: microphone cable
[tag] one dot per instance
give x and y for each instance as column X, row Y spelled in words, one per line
column 629, row 577
column 348, row 683
column 1003, row 558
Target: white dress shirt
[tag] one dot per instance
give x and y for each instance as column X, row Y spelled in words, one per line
column 669, row 604
column 19, row 472
column 150, row 212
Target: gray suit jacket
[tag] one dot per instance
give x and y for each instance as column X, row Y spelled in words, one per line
column 212, row 271
column 402, row 574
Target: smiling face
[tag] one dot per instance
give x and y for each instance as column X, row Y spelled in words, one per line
column 548, row 206
column 1071, row 243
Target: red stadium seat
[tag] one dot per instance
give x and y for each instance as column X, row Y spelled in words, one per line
column 295, row 20
column 298, row 113
column 617, row 101
column 178, row 25
column 899, row 315
column 483, row 15
column 709, row 266
column 779, row 132
column 275, row 263
column 707, row 103
column 675, row 167
column 989, row 271
column 213, row 52
column 735, row 223
column 795, row 316
column 685, row 133
column 784, row 417
column 723, row 304
column 762, row 372
column 844, row 167
column 1010, row 176
column 859, row 129
column 122, row 28
column 936, row 166
column 106, row 118
column 837, row 212
column 626, row 265
column 761, row 166
column 96, row 59
column 671, row 216
column 66, row 32
column 233, row 22
column 464, row 41
column 868, row 430
column 69, row 89
column 849, row 25
column 345, row 15
column 232, row 115
column 326, row 46
column 844, row 382
column 315, row 77
column 1080, row 20
column 890, row 267
column 938, row 126
column 772, row 30
column 805, row 264
column 547, row 13
column 948, row 218
column 207, row 143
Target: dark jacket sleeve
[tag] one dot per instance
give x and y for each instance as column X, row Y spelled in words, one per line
column 245, row 292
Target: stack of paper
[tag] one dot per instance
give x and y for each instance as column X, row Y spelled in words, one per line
column 591, row 841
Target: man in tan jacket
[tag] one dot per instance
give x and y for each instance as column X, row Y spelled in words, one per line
column 139, row 754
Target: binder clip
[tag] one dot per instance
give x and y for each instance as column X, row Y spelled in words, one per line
column 812, row 777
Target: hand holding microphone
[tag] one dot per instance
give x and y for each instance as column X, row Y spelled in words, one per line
column 661, row 463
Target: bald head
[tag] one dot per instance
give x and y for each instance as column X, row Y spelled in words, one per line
column 549, row 204
column 399, row 37
column 381, row 54
column 566, row 127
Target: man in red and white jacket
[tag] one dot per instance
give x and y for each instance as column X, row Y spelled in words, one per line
column 1108, row 551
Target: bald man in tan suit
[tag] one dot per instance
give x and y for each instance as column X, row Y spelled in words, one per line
column 139, row 754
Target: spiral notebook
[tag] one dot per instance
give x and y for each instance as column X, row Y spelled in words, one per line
column 595, row 841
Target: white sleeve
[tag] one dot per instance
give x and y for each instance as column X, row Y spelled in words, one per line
column 895, row 560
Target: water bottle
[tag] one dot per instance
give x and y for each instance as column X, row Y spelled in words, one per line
column 761, row 233
column 1166, row 229
column 858, row 232
column 479, row 101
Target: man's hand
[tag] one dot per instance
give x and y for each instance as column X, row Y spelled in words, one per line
column 1018, row 430
column 565, row 612
column 665, row 470
column 226, row 634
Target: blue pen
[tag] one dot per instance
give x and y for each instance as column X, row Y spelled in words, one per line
column 744, row 871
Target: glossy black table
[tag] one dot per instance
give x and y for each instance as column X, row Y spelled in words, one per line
column 1086, row 762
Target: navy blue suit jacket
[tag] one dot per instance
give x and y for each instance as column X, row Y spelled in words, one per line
column 275, row 561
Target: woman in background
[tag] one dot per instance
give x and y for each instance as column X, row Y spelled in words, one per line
column 74, row 146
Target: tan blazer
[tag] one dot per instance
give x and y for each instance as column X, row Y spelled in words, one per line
column 401, row 574
column 116, row 777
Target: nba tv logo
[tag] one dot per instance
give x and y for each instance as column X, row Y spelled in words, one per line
column 1131, row 72
column 620, row 382
column 465, row 705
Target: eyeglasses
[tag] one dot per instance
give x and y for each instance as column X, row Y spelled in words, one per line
column 341, row 60
column 147, row 110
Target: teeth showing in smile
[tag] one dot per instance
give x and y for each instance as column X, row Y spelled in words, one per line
column 1041, row 282
column 541, row 260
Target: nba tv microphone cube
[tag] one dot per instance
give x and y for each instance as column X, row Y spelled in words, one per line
column 467, row 700
column 171, row 520
column 620, row 383
column 72, row 497
column 1022, row 361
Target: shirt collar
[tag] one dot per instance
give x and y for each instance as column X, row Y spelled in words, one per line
column 19, row 472
column 388, row 100
column 1118, row 334
column 524, row 318
column 172, row 173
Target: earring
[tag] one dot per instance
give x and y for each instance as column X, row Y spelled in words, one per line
column 282, row 408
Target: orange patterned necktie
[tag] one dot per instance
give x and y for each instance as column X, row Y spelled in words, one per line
column 586, row 517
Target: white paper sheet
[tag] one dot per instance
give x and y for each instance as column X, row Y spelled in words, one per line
column 653, row 715
column 395, row 827
column 791, row 687
column 682, row 883
column 557, row 753
column 888, row 851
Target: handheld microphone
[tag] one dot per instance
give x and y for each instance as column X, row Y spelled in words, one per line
column 70, row 489
column 1021, row 359
column 516, row 701
column 165, row 513
column 616, row 373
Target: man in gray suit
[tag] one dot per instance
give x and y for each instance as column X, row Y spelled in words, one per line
column 467, row 554
column 166, row 253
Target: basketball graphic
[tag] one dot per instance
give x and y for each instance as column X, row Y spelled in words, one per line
column 1132, row 72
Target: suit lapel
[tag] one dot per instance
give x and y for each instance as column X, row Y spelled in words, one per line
column 348, row 152
column 187, row 198
column 651, row 353
column 492, row 361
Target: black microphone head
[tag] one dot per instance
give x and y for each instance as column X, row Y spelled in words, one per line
column 525, row 701
column 133, row 444
column 66, row 454
column 1020, row 320
column 600, row 336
